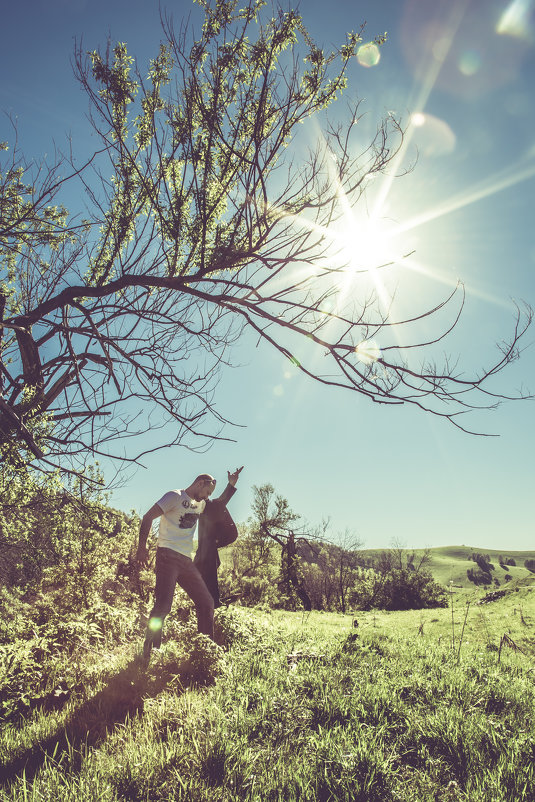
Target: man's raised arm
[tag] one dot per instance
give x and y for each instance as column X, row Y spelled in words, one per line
column 230, row 489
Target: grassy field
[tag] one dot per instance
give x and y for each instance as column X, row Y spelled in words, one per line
column 426, row 705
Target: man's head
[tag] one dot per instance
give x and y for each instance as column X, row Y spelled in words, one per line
column 202, row 487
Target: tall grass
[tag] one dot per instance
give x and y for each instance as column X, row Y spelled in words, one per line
column 290, row 709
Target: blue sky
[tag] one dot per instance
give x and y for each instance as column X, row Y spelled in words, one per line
column 465, row 71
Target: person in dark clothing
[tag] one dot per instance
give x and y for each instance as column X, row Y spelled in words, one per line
column 216, row 529
column 179, row 511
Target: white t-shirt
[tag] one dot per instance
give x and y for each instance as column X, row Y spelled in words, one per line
column 179, row 520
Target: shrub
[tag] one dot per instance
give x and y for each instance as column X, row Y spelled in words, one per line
column 399, row 589
column 251, row 590
column 189, row 658
column 233, row 627
column 23, row 675
column 484, row 563
column 479, row 577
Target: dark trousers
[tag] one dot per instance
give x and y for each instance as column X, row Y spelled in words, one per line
column 172, row 567
column 208, row 571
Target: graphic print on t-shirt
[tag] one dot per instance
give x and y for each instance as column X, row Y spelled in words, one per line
column 188, row 520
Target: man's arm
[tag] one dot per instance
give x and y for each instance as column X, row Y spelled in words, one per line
column 230, row 489
column 144, row 529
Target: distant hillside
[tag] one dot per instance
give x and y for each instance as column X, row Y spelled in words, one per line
column 451, row 563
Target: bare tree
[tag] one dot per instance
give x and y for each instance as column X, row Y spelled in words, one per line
column 275, row 521
column 400, row 558
column 346, row 564
column 332, row 570
column 201, row 219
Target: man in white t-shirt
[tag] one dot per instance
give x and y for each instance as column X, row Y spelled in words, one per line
column 179, row 512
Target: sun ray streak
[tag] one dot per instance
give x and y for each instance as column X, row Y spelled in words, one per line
column 434, row 63
column 515, row 20
column 496, row 184
column 436, row 56
column 442, row 278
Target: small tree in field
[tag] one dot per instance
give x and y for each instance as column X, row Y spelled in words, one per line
column 274, row 521
column 197, row 220
column 331, row 572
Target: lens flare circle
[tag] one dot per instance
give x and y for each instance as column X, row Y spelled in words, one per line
column 368, row 55
column 368, row 352
column 418, row 119
column 431, row 135
column 470, row 63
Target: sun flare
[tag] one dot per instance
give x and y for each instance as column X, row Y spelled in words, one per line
column 363, row 247
column 366, row 245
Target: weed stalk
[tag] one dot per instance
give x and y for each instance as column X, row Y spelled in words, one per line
column 462, row 631
column 452, row 620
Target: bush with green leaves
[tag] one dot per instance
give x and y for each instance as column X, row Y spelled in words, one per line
column 59, row 538
column 479, row 577
column 42, row 669
column 235, row 628
column 398, row 589
column 187, row 657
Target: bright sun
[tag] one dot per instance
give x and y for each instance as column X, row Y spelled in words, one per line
column 363, row 247
column 366, row 245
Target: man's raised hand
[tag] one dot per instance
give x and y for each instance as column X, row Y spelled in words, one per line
column 233, row 477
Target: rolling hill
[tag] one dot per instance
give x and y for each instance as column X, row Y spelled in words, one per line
column 451, row 563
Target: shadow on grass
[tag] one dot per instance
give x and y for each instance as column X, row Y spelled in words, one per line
column 122, row 698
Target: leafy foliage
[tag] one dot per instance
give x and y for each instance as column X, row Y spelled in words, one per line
column 400, row 590
column 479, row 577
column 59, row 534
column 60, row 545
column 43, row 667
